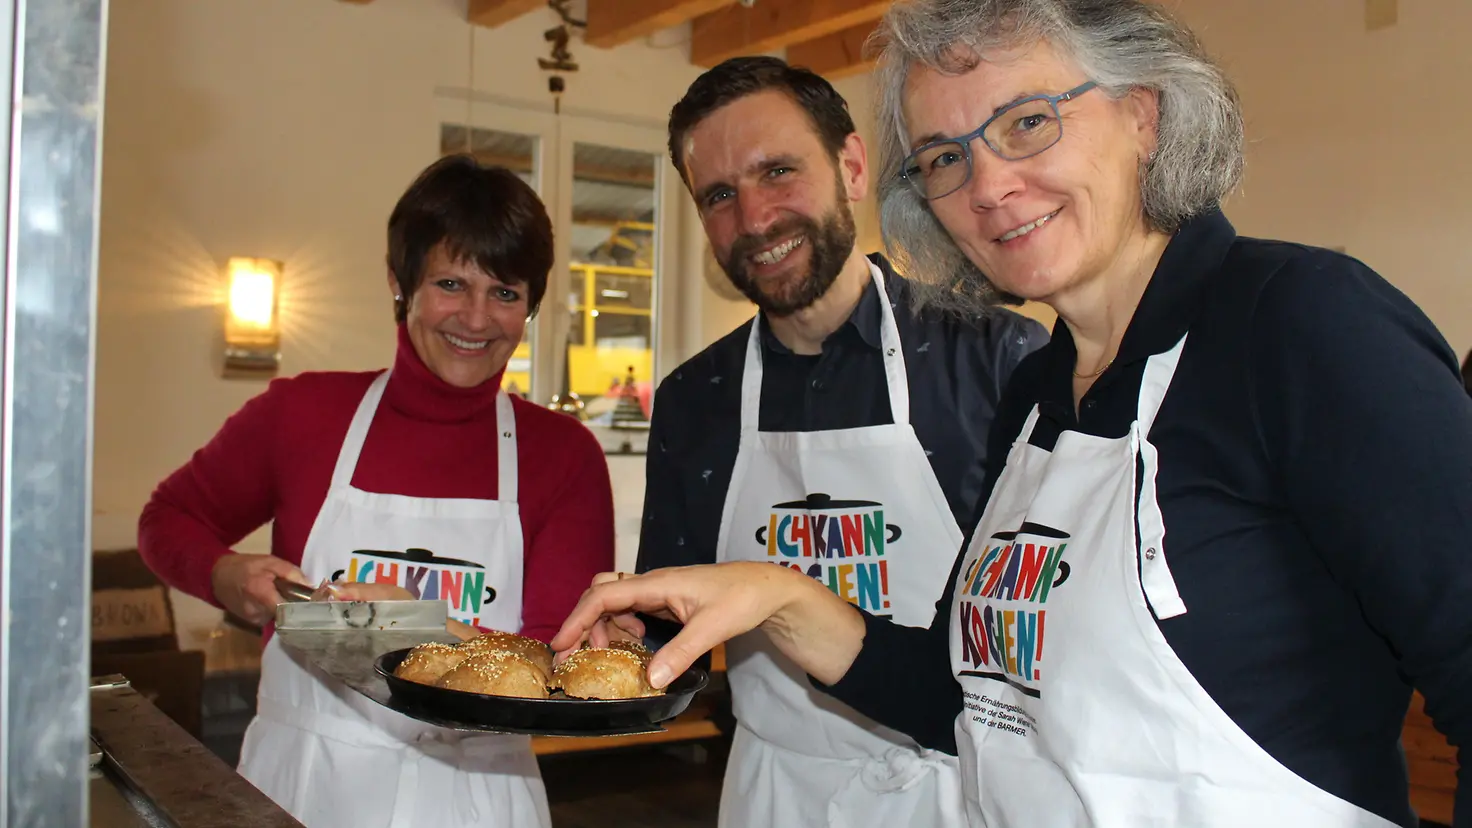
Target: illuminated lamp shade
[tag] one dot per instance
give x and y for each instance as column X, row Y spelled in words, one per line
column 252, row 320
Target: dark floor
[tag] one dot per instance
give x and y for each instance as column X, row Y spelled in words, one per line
column 673, row 786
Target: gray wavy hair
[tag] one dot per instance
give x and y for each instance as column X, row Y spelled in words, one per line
column 1120, row 45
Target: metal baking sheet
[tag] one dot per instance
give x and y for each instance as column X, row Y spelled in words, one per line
column 345, row 638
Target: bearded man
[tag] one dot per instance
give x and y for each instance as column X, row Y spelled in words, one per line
column 842, row 432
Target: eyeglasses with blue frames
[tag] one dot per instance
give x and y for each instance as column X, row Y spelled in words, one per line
column 1022, row 130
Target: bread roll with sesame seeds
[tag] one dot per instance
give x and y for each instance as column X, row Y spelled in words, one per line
column 498, row 673
column 427, row 662
column 496, row 641
column 635, row 647
column 604, row 673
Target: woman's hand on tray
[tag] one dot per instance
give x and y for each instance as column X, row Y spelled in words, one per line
column 246, row 584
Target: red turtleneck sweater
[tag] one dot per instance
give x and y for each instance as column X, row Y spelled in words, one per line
column 273, row 460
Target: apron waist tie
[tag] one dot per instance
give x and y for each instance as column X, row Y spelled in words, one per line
column 895, row 770
column 443, row 744
column 898, row 768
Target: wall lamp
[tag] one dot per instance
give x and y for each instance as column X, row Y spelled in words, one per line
column 252, row 321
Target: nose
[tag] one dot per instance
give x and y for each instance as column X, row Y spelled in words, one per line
column 475, row 313
column 993, row 179
column 757, row 212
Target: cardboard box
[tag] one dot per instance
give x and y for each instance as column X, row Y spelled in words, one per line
column 133, row 634
column 131, row 612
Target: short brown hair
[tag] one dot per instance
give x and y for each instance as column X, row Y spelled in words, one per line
column 482, row 213
column 738, row 77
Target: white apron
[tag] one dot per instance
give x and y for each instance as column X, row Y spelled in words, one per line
column 334, row 759
column 1077, row 711
column 861, row 511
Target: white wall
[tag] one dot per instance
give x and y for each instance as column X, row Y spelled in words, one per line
column 1358, row 139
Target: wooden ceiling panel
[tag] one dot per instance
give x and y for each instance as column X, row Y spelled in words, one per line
column 836, row 55
column 496, row 12
column 615, row 22
column 773, row 24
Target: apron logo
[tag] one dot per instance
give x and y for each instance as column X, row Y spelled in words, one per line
column 999, row 605
column 839, row 543
column 427, row 576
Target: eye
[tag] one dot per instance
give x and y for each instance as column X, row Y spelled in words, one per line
column 718, row 196
column 449, row 285
column 778, row 172
column 1030, row 123
column 946, row 159
column 506, row 294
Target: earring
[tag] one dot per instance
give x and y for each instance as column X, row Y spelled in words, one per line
column 1152, row 155
column 398, row 298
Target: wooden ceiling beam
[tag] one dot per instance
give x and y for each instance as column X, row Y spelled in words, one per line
column 491, row 13
column 616, row 22
column 836, row 55
column 773, row 24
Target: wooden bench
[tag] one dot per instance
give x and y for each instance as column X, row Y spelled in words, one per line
column 1432, row 763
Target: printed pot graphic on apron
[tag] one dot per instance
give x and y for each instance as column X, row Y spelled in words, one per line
column 1077, row 712
column 427, row 576
column 885, row 544
column 334, row 759
column 839, row 543
column 1020, row 567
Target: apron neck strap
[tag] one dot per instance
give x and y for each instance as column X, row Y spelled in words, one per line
column 894, row 354
column 506, row 475
column 1159, row 370
column 895, row 375
column 352, row 444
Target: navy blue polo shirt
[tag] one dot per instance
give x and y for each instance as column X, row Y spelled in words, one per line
column 1316, row 485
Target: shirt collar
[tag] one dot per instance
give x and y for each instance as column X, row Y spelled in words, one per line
column 865, row 322
column 1169, row 306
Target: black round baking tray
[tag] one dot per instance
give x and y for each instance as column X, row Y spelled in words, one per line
column 557, row 716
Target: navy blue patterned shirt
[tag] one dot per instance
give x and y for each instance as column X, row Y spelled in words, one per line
column 956, row 370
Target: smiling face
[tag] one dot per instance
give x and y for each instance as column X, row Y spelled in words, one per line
column 774, row 203
column 1043, row 225
column 463, row 322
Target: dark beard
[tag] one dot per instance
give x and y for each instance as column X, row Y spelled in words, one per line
column 831, row 243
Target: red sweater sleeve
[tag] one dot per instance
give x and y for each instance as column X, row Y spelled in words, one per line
column 226, row 491
column 568, row 525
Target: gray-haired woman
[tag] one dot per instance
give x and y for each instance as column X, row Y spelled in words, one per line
column 1227, row 529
